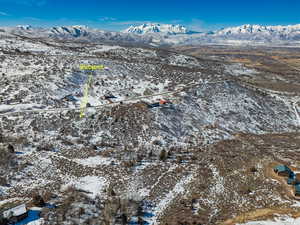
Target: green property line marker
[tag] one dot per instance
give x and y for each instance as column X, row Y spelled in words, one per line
column 87, row 86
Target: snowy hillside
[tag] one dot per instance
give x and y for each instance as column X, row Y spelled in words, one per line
column 165, row 137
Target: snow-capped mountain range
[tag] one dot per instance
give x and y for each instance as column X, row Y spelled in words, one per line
column 78, row 32
column 150, row 28
column 290, row 32
column 159, row 34
column 255, row 29
column 75, row 31
column 247, row 29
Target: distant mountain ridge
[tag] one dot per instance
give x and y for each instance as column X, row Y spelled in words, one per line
column 161, row 34
column 149, row 28
column 263, row 33
column 79, row 32
column 251, row 29
column 75, row 31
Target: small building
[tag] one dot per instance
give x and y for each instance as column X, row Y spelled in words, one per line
column 283, row 170
column 291, row 180
column 297, row 178
column 106, row 97
column 162, row 102
column 158, row 104
column 297, row 190
column 109, row 98
column 16, row 213
column 69, row 98
column 153, row 105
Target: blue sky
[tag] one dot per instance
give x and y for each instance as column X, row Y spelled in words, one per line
column 119, row 14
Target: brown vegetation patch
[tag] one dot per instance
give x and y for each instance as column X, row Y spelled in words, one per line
column 262, row 214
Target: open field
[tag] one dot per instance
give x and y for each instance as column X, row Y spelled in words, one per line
column 279, row 68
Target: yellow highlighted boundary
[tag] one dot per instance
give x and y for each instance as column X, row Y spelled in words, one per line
column 87, row 86
column 91, row 67
column 85, row 97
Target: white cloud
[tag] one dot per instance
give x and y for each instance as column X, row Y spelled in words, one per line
column 107, row 19
column 4, row 14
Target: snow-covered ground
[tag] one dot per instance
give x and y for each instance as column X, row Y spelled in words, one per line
column 93, row 185
column 179, row 189
column 94, row 161
column 121, row 137
column 238, row 69
column 19, row 107
column 104, row 48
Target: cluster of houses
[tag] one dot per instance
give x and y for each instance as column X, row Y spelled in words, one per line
column 292, row 178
